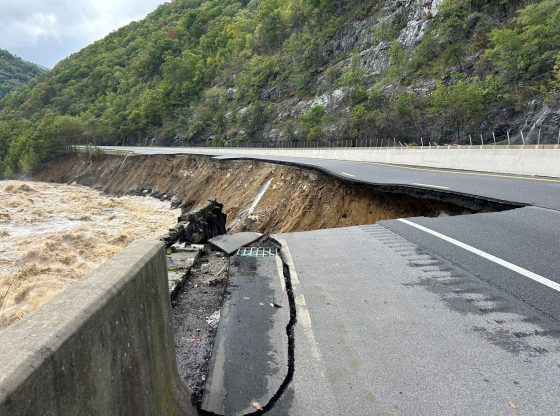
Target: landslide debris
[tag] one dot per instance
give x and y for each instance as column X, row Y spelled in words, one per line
column 295, row 200
column 196, row 311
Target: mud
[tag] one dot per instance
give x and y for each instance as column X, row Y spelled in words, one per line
column 53, row 234
column 257, row 196
column 195, row 318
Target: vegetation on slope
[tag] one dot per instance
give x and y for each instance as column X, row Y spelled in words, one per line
column 237, row 71
column 15, row 72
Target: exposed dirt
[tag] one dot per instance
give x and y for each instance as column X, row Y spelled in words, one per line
column 195, row 318
column 53, row 234
column 296, row 199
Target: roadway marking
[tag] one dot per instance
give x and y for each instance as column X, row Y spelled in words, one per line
column 517, row 269
column 304, row 318
column 457, row 172
column 348, row 174
column 302, row 312
column 431, row 186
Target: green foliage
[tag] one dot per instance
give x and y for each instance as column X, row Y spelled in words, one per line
column 15, row 72
column 364, row 122
column 313, row 122
column 529, row 48
column 397, row 60
column 457, row 104
column 553, row 92
column 353, row 75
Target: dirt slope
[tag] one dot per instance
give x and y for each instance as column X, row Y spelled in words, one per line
column 296, row 199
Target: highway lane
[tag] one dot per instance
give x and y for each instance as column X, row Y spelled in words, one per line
column 526, row 237
column 384, row 328
column 542, row 192
column 529, row 238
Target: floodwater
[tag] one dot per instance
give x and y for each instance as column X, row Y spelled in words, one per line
column 51, row 235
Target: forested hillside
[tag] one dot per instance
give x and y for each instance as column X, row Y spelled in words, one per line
column 225, row 71
column 15, row 72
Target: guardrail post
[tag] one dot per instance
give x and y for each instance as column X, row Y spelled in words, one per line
column 522, row 137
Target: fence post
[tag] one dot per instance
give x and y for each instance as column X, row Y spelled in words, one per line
column 470, row 139
column 509, row 141
column 481, row 139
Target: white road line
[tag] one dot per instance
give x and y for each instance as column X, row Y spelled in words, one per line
column 302, row 312
column 527, row 273
column 431, row 186
column 304, row 319
column 348, row 174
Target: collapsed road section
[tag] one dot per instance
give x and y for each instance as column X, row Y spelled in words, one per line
column 377, row 332
column 233, row 320
column 288, row 198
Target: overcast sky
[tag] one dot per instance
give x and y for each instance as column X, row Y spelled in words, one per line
column 45, row 31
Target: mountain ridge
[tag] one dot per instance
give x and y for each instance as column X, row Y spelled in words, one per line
column 223, row 71
column 15, row 72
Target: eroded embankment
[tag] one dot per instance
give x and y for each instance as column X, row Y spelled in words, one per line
column 291, row 199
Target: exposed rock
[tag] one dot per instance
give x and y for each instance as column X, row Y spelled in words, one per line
column 375, row 60
column 355, row 35
column 539, row 117
column 418, row 19
column 330, row 101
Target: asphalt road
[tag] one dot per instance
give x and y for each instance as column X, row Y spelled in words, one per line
column 542, row 192
column 385, row 328
column 468, row 323
column 526, row 237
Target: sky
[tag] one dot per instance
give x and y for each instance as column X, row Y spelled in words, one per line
column 45, row 31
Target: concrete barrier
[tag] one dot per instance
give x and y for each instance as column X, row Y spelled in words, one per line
column 524, row 160
column 102, row 347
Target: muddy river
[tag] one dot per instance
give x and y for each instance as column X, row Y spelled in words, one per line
column 51, row 235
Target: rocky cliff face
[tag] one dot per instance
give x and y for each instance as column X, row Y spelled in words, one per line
column 407, row 21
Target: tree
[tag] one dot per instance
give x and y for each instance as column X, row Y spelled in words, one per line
column 313, row 121
column 457, row 104
column 365, row 122
column 529, row 48
column 353, row 75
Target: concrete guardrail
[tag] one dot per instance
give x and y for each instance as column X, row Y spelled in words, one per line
column 102, row 347
column 517, row 161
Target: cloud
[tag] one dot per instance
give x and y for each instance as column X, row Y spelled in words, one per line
column 45, row 31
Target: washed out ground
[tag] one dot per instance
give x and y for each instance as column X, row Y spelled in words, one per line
column 257, row 196
column 288, row 198
column 196, row 313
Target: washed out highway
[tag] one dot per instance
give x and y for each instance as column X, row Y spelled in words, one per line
column 446, row 315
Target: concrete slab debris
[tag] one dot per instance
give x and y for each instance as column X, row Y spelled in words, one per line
column 229, row 244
